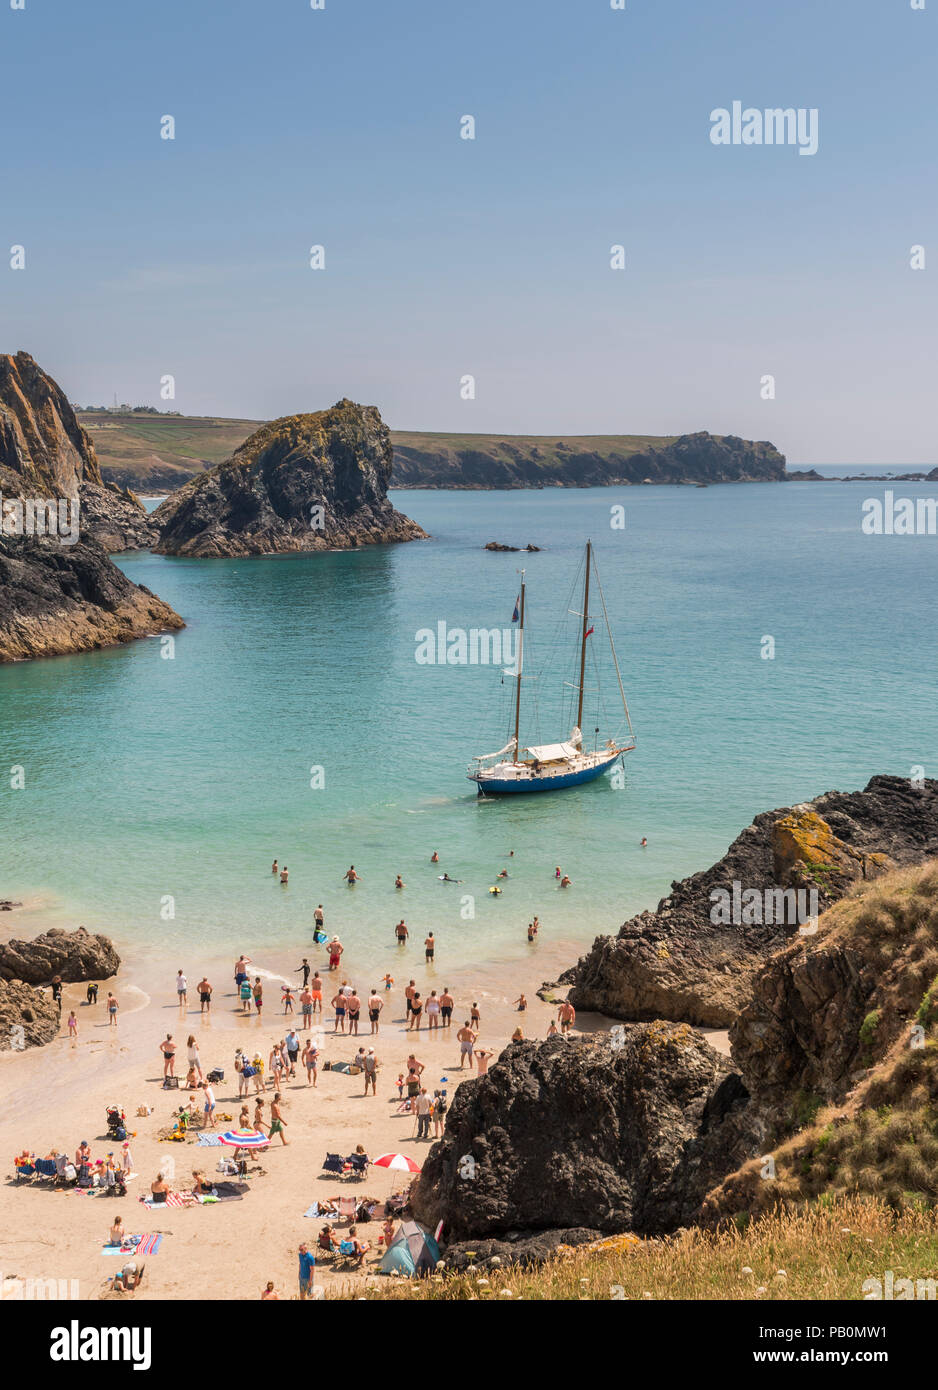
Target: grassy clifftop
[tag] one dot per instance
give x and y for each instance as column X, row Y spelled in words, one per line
column 158, row 453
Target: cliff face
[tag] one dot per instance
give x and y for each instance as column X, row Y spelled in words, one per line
column 56, row 599
column 678, row 963
column 59, row 590
column 45, row 453
column 483, row 461
column 306, row 482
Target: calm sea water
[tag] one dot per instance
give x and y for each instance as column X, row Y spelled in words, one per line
column 149, row 779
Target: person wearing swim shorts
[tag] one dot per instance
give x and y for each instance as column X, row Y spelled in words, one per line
column 277, row 1122
column 205, row 996
column 258, row 992
column 306, row 1007
column 354, row 1005
column 429, row 946
column 446, row 1006
column 316, row 992
column 338, row 1004
column 467, row 1040
column 375, row 1005
column 416, row 1009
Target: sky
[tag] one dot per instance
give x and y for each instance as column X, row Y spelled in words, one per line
column 490, row 258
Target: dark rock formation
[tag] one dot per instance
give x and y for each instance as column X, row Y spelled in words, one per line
column 72, row 955
column 490, row 461
column 494, row 545
column 24, row 1008
column 45, row 453
column 306, row 482
column 58, row 598
column 678, row 963
column 518, row 1248
column 611, row 1135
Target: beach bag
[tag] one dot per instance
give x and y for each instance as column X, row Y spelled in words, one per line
column 346, row 1247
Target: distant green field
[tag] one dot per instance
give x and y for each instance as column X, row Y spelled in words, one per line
column 156, row 453
column 161, row 452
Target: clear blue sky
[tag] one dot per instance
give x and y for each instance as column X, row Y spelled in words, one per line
column 444, row 256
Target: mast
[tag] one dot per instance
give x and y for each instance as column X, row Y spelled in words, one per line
column 518, row 676
column 586, row 604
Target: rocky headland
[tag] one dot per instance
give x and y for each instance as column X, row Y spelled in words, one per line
column 59, row 590
column 679, row 963
column 490, row 461
column 302, row 483
column 45, row 452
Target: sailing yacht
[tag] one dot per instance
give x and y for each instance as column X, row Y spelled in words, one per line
column 551, row 766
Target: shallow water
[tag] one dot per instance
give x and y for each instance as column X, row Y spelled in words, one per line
column 150, row 780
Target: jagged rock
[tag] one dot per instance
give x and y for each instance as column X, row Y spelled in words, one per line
column 22, row 1007
column 72, row 955
column 306, row 482
column 45, row 453
column 679, row 963
column 494, row 545
column 581, row 1132
column 58, row 598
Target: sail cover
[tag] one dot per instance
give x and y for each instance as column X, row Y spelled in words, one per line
column 553, row 752
column 508, row 748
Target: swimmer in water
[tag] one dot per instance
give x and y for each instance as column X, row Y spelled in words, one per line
column 445, row 878
column 274, row 867
column 503, row 874
column 399, row 882
column 284, row 874
column 351, row 876
column 565, row 881
column 557, row 872
column 644, row 842
column 434, row 858
column 495, row 890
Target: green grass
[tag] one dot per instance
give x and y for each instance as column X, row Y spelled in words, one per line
column 824, row 1250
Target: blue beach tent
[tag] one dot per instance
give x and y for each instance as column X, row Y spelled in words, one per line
column 412, row 1251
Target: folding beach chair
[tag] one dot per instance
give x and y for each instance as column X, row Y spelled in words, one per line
column 333, row 1163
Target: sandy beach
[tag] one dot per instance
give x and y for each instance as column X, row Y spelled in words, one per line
column 56, row 1096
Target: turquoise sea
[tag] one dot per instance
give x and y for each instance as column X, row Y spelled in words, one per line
column 149, row 779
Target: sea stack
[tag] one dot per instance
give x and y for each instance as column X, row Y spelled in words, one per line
column 301, row 483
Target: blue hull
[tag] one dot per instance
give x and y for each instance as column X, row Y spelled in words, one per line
column 502, row 787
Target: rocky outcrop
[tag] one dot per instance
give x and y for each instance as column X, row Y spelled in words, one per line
column 45, row 453
column 72, row 955
column 621, row 1134
column 831, row 1005
column 306, row 482
column 27, row 1018
column 56, row 598
column 683, row 962
column 492, row 461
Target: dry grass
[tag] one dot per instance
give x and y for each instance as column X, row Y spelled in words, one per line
column 824, row 1250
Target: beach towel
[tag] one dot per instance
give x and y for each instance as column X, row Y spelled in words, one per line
column 312, row 1211
column 210, row 1199
column 173, row 1199
column 149, row 1244
column 209, row 1141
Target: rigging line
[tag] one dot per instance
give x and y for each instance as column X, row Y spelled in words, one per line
column 615, row 659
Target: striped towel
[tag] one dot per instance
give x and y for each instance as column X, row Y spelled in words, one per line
column 150, row 1244
column 209, row 1141
column 173, row 1199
